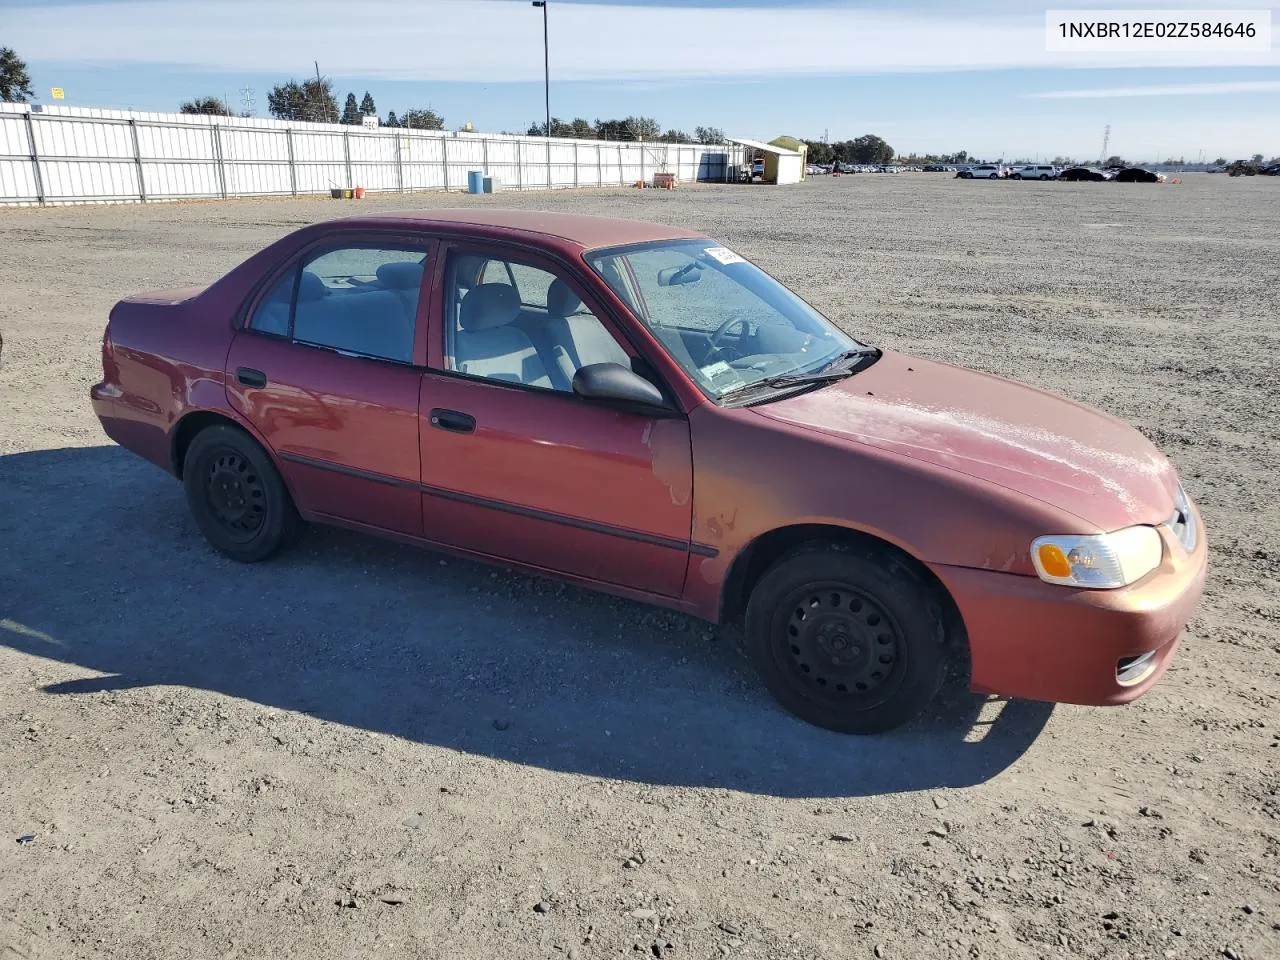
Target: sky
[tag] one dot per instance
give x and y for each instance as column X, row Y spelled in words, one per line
column 930, row 76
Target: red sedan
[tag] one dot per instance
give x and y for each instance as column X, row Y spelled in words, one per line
column 636, row 408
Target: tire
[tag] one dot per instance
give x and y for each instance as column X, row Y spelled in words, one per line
column 1016, row 176
column 236, row 495
column 994, row 176
column 1044, row 176
column 847, row 637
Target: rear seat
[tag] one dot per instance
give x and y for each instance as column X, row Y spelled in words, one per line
column 374, row 322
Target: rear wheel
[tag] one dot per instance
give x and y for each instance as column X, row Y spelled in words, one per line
column 996, row 176
column 1016, row 176
column 847, row 638
column 236, row 495
column 1044, row 176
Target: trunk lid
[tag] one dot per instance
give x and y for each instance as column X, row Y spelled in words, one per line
column 167, row 297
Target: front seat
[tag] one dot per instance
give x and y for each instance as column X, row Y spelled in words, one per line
column 577, row 339
column 487, row 345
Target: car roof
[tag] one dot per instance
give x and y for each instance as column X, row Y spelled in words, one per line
column 587, row 232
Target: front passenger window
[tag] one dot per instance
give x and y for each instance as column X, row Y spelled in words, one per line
column 537, row 332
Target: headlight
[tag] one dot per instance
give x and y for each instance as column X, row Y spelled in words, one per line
column 1103, row 561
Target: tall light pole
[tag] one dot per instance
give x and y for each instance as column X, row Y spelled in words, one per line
column 546, row 59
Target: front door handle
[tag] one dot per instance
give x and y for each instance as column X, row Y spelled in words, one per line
column 453, row 421
column 251, row 377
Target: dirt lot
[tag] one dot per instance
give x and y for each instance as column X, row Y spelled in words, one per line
column 361, row 750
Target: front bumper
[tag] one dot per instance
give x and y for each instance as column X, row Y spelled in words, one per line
column 1040, row 641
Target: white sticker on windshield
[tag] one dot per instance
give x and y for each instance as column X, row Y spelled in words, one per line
column 723, row 255
column 717, row 369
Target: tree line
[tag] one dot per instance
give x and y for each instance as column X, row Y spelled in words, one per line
column 628, row 128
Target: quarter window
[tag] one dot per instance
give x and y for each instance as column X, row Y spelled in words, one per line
column 361, row 300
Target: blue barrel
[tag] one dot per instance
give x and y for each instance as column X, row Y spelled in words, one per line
column 475, row 181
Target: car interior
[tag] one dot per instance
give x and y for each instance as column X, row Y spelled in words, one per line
column 504, row 331
column 371, row 314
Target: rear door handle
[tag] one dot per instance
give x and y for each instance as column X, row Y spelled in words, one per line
column 453, row 421
column 251, row 377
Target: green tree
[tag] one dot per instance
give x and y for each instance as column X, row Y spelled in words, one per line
column 1220, row 162
column 1257, row 159
column 709, row 134
column 869, row 148
column 15, row 82
column 577, row 128
column 631, row 128
column 312, row 100
column 820, row 152
column 426, row 119
column 392, row 120
column 675, row 136
column 1114, row 161
column 350, row 111
column 210, row 106
column 367, row 107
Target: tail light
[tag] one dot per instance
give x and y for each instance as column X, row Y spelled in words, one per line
column 108, row 356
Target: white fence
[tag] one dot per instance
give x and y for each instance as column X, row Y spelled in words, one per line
column 58, row 155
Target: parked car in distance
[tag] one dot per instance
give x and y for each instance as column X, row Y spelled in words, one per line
column 1034, row 171
column 1082, row 173
column 982, row 171
column 637, row 408
column 1138, row 175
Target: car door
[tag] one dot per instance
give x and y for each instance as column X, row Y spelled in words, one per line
column 328, row 366
column 517, row 466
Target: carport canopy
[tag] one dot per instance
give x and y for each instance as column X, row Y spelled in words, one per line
column 764, row 147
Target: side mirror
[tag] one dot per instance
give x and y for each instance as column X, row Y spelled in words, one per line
column 613, row 381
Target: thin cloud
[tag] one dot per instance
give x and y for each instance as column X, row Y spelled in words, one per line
column 442, row 40
column 1166, row 90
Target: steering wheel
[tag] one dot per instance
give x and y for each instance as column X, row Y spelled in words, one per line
column 724, row 328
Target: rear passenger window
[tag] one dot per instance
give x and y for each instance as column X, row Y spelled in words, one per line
column 361, row 300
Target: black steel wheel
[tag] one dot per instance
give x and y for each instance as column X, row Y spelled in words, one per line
column 844, row 647
column 847, row 637
column 236, row 495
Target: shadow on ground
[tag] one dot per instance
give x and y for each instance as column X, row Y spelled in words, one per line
column 102, row 569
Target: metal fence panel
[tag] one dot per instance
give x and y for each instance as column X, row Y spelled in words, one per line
column 70, row 155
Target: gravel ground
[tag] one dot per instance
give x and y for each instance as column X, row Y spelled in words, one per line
column 362, row 750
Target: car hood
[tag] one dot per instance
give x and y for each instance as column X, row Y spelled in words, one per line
column 1024, row 439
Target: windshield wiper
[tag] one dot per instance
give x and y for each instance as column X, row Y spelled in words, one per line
column 849, row 358
column 838, row 368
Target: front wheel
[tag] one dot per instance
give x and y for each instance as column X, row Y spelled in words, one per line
column 1016, row 176
column 236, row 495
column 847, row 638
column 996, row 176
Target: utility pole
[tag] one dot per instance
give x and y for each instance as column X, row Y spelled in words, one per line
column 319, row 83
column 546, row 60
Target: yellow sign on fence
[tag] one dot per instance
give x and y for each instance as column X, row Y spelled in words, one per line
column 58, row 93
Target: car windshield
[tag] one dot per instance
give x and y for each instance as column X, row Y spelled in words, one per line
column 724, row 320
